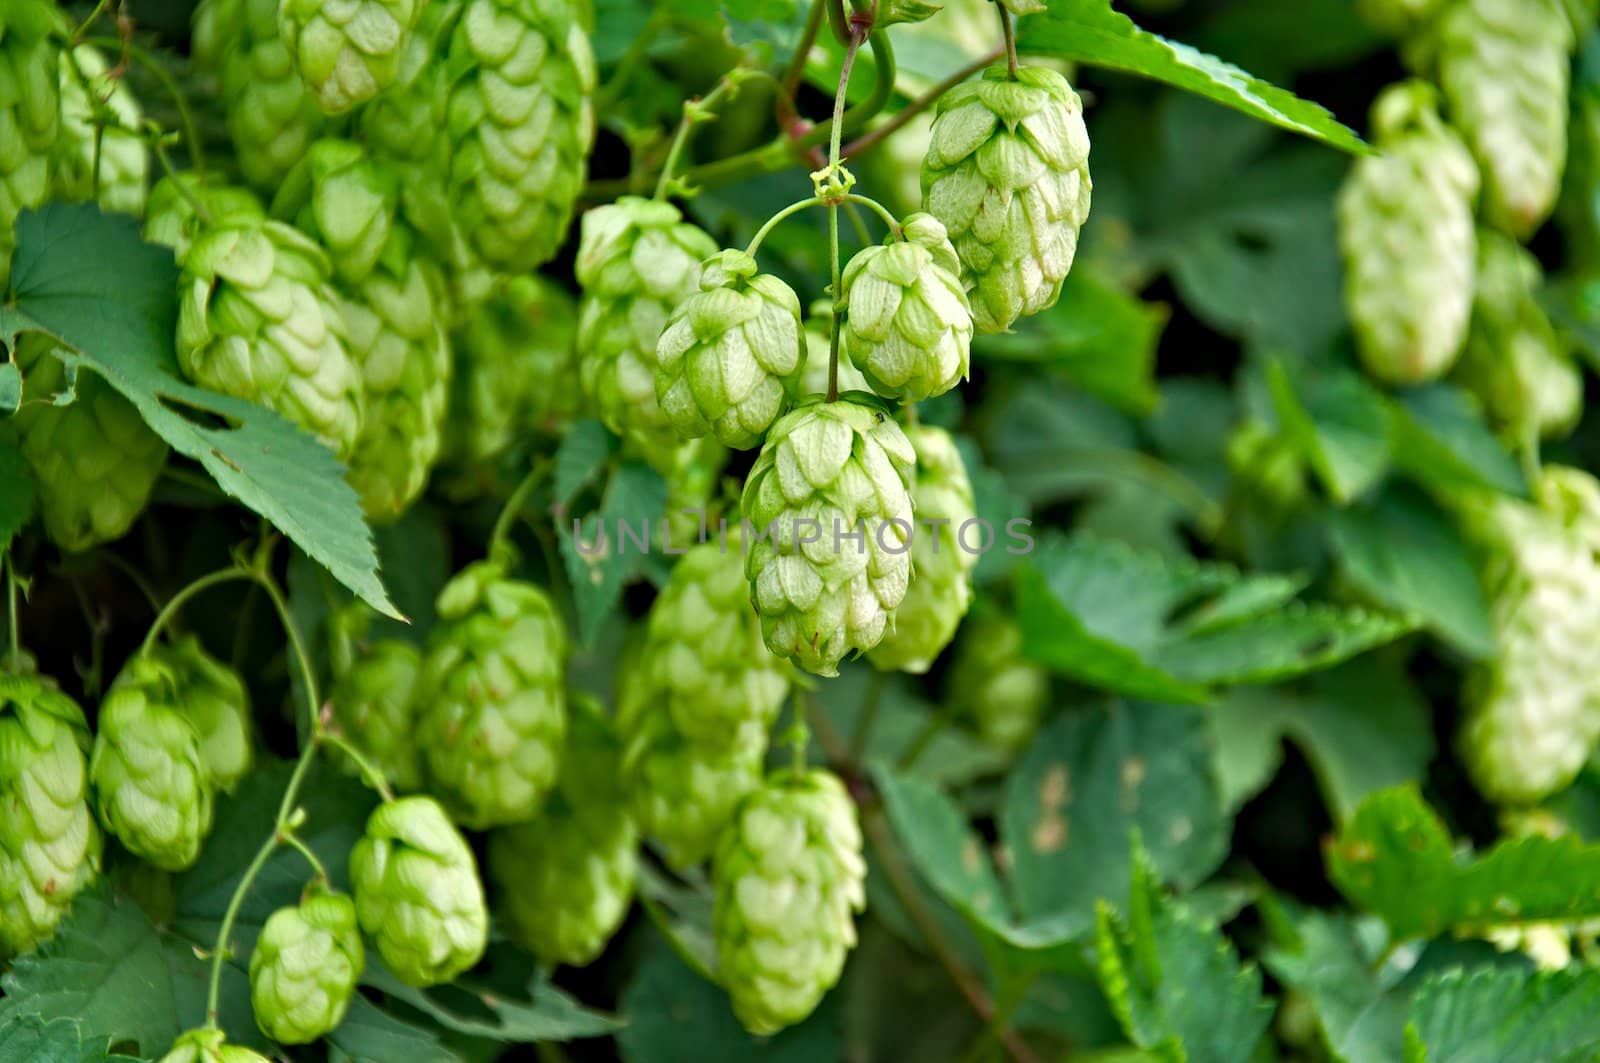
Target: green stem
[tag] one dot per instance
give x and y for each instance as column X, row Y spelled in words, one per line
column 837, row 19
column 695, row 112
column 191, row 130
column 1009, row 32
column 772, row 223
column 836, row 140
column 368, row 770
column 93, row 17
column 500, row 537
column 882, row 211
column 291, row 839
column 177, row 601
column 11, row 609
column 297, row 647
column 1010, row 999
column 797, row 62
column 872, row 138
column 178, row 183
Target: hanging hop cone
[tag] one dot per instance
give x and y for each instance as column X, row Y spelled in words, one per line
column 829, row 472
column 1533, row 710
column 151, row 785
column 944, row 552
column 789, row 876
column 207, row 1045
column 304, row 968
column 212, row 697
column 373, row 701
column 565, row 879
column 1007, row 172
column 49, row 845
column 494, row 711
column 908, row 324
column 993, row 686
column 637, row 260
column 346, row 51
column 30, row 113
column 730, row 356
column 94, row 461
column 814, row 379
column 124, row 159
column 417, row 892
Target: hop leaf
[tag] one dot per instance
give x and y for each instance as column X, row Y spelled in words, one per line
column 124, row 159
column 305, row 966
column 373, row 701
column 213, row 699
column 347, row 52
column 417, row 892
column 30, row 112
column 208, row 1045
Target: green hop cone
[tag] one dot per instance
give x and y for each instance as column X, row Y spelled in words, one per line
column 348, row 51
column 344, row 198
column 829, row 472
column 1397, row 18
column 814, row 378
column 49, row 845
column 304, row 968
column 637, row 261
column 417, row 892
column 124, row 158
column 1504, row 68
column 943, row 554
column 272, row 116
column 520, row 126
column 95, row 461
column 208, row 1045
column 789, row 877
column 214, row 700
column 172, row 220
column 908, row 324
column 730, row 356
column 565, row 879
column 1007, row 172
column 494, row 710
column 993, row 686
column 151, row 785
column 373, row 701
column 1406, row 233
column 1533, row 709
column 30, row 113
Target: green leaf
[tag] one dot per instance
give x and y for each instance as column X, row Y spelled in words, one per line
column 1406, row 553
column 29, row 1039
column 681, row 911
column 369, row 1034
column 1089, row 31
column 541, row 1012
column 16, row 493
column 1088, row 782
column 10, row 388
column 1277, row 40
column 583, row 453
column 87, row 279
column 609, row 554
column 1442, row 440
column 1339, row 422
column 1499, row 1016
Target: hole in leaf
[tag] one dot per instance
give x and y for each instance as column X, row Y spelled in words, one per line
column 198, row 416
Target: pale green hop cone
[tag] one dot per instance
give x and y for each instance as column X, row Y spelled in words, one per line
column 214, row 700
column 373, row 701
column 417, row 892
column 730, row 357
column 347, row 200
column 347, row 51
column 943, row 555
column 789, row 877
column 908, row 324
column 1007, row 172
column 124, row 158
column 208, row 1045
column 992, row 686
column 49, row 844
column 305, row 966
column 30, row 113
column 493, row 701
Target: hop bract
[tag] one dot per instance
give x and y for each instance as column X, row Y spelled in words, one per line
column 789, row 877
column 1007, row 172
column 347, row 50
column 304, row 968
column 908, row 323
column 373, row 701
column 208, row 1045
column 49, row 845
column 124, row 158
column 214, row 700
column 417, row 892
column 830, row 510
column 30, row 113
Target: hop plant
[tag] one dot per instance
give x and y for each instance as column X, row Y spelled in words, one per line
column 49, row 846
column 520, row 125
column 908, row 323
column 992, row 686
column 417, row 892
column 814, row 378
column 151, row 785
column 493, row 704
column 212, row 697
column 373, row 701
column 1406, row 231
column 95, row 461
column 345, row 199
column 272, row 116
column 1007, row 172
column 941, row 558
column 637, row 260
column 1504, row 68
column 124, row 159
column 304, row 968
column 789, row 877
column 693, row 471
column 829, row 470
column 731, row 353
column 209, row 1045
column 346, row 51
column 565, row 880
column 30, row 113
column 1533, row 709
column 1397, row 18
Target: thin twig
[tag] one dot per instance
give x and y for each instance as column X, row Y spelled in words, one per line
column 867, row 141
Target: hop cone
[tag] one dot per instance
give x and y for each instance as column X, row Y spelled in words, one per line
column 827, row 471
column 730, row 356
column 1397, row 18
column 789, row 877
column 30, row 113
column 1533, row 711
column 943, row 554
column 94, row 461
column 272, row 116
column 909, row 326
column 124, row 159
column 520, row 125
column 637, row 260
column 214, row 700
column 151, row 785
column 345, row 199
column 171, row 218
column 1007, row 173
column 566, row 878
column 417, row 892
column 348, row 51
column 993, row 686
column 304, row 968
column 1405, row 228
column 374, row 697
column 207, row 1045
column 814, row 379
column 493, row 704
column 1504, row 68
column 49, row 846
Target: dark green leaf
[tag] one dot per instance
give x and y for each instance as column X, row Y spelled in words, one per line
column 1442, row 440
column 10, row 388
column 29, row 1039
column 1500, row 1016
column 16, row 493
column 546, row 1013
column 1339, row 422
column 607, row 549
column 583, row 452
column 369, row 1034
